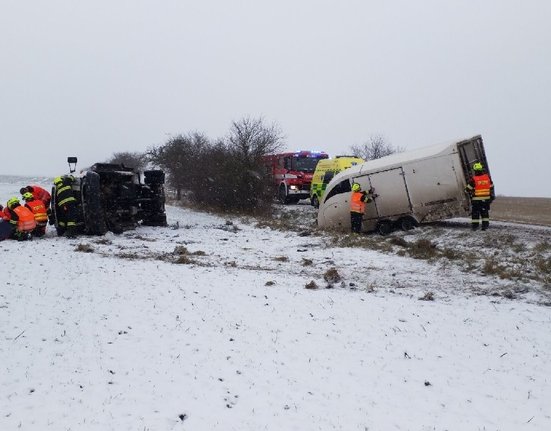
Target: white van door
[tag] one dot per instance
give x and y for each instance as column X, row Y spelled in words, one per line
column 393, row 199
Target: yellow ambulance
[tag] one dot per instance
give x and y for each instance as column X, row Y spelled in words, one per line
column 325, row 171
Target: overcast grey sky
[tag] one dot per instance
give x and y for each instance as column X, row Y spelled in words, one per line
column 90, row 78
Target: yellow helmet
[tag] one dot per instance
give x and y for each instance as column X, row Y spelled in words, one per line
column 28, row 196
column 12, row 202
column 478, row 167
column 356, row 187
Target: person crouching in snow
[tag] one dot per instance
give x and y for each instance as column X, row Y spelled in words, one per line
column 39, row 210
column 38, row 193
column 21, row 219
column 41, row 194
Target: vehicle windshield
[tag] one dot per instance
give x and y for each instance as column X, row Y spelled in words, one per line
column 305, row 164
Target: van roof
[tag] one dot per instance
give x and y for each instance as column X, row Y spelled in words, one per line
column 397, row 159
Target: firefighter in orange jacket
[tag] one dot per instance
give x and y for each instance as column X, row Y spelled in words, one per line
column 38, row 193
column 21, row 219
column 40, row 213
column 358, row 199
column 481, row 189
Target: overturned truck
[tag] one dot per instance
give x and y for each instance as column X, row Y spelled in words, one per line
column 112, row 197
column 413, row 187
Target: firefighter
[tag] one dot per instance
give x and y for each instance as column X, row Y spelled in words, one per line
column 481, row 190
column 38, row 208
column 66, row 209
column 38, row 193
column 358, row 200
column 21, row 219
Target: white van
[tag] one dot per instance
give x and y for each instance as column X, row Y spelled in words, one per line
column 413, row 187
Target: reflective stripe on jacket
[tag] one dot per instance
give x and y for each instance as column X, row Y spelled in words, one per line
column 26, row 222
column 482, row 187
column 38, row 208
column 64, row 195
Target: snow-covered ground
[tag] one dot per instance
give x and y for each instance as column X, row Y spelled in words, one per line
column 207, row 325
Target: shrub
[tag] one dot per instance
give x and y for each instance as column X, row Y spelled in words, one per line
column 84, row 248
column 226, row 174
column 312, row 285
column 423, row 249
column 332, row 276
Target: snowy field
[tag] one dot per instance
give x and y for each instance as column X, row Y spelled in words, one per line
column 207, row 325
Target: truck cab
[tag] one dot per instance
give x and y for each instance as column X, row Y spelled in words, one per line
column 291, row 173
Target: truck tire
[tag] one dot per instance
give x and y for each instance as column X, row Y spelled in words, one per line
column 282, row 195
column 384, row 227
column 94, row 216
column 406, row 223
column 54, row 216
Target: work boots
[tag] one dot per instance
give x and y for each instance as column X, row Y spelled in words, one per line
column 70, row 233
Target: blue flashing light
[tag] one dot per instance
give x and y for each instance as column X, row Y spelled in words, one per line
column 309, row 153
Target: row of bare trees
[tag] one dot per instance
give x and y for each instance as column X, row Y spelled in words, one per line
column 375, row 148
column 227, row 173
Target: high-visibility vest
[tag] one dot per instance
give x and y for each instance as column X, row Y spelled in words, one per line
column 26, row 222
column 357, row 205
column 38, row 208
column 482, row 187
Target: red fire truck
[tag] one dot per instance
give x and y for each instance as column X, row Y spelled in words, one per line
column 291, row 173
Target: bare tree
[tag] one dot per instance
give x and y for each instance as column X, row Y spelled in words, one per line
column 134, row 160
column 182, row 159
column 250, row 139
column 227, row 173
column 375, row 148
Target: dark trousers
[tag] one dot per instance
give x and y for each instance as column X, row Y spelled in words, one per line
column 356, row 221
column 480, row 210
column 67, row 218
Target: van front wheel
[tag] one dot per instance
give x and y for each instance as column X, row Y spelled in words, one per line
column 315, row 201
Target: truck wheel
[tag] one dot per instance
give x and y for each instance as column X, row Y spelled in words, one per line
column 94, row 217
column 315, row 201
column 406, row 223
column 282, row 195
column 384, row 227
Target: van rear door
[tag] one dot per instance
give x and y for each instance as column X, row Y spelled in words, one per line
column 471, row 151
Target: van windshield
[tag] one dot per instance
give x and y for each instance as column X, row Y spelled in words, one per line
column 304, row 164
column 342, row 187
